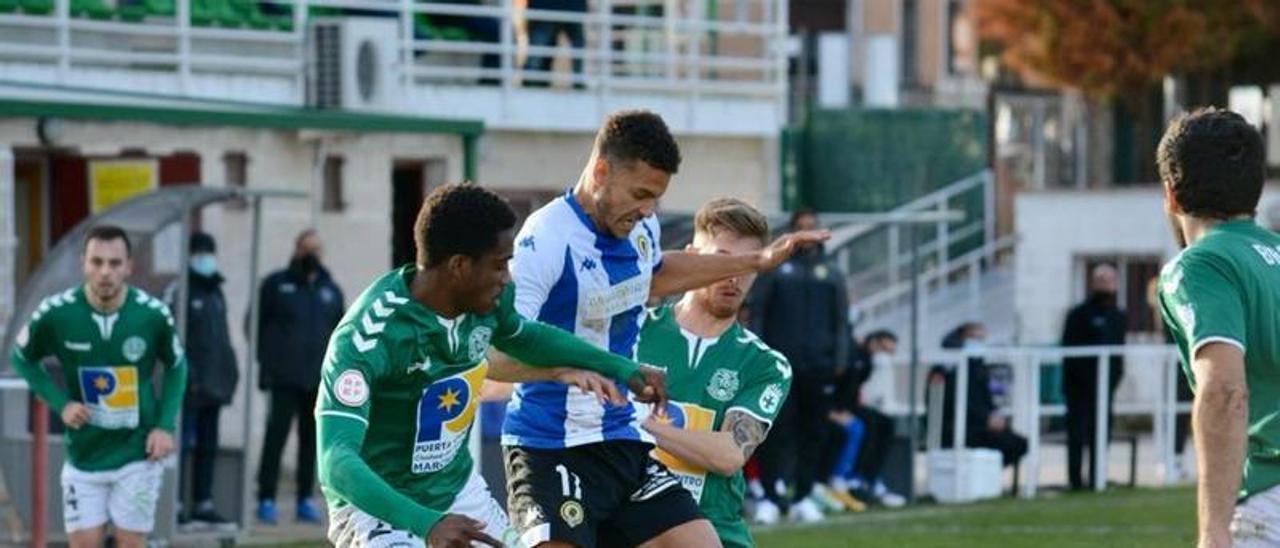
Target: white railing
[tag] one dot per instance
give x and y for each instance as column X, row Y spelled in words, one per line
column 882, row 284
column 1155, row 365
column 681, row 50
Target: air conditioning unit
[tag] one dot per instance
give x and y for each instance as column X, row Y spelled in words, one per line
column 352, row 63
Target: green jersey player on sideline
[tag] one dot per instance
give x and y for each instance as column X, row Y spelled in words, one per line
column 107, row 336
column 725, row 384
column 402, row 376
column 1220, row 298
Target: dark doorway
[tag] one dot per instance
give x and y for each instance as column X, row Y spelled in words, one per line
column 408, row 187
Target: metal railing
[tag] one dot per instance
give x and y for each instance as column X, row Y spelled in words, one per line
column 887, row 279
column 1146, row 362
column 669, row 46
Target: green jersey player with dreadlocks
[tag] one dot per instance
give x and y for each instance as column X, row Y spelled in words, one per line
column 401, row 381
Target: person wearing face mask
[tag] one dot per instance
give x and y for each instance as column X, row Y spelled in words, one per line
column 985, row 426
column 860, row 434
column 300, row 306
column 1095, row 322
column 211, row 380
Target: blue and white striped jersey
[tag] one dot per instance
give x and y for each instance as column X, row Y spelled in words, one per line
column 595, row 286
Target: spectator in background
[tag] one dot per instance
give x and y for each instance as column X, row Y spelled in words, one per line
column 860, row 434
column 544, row 34
column 985, row 426
column 299, row 308
column 801, row 310
column 1095, row 322
column 212, row 376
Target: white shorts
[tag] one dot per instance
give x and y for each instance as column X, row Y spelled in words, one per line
column 1256, row 523
column 349, row 527
column 125, row 496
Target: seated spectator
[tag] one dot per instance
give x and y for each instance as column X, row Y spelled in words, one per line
column 985, row 426
column 861, row 434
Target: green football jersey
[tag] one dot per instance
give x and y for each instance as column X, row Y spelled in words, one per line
column 414, row 379
column 707, row 378
column 1226, row 288
column 108, row 362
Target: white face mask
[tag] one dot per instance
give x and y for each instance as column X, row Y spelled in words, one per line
column 881, row 360
column 204, row 264
column 974, row 345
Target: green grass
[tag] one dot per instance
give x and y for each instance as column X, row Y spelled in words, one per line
column 1129, row 518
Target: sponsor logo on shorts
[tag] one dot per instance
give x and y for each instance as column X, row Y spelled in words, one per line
column 572, row 513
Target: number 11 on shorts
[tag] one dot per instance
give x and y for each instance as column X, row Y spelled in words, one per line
column 565, row 475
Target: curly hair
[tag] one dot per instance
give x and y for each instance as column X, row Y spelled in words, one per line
column 1212, row 161
column 631, row 135
column 460, row 219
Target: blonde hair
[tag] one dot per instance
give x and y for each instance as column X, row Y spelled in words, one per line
column 733, row 215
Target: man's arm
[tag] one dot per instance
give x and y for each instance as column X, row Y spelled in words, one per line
column 541, row 345
column 1220, row 417
column 341, row 468
column 723, row 452
column 502, row 368
column 174, row 387
column 31, row 346
column 840, row 318
column 682, row 271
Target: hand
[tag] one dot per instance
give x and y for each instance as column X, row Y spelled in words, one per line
column 74, row 415
column 997, row 423
column 591, row 383
column 649, row 384
column 455, row 531
column 159, row 444
column 786, row 245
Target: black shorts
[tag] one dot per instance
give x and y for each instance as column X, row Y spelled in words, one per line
column 573, row 494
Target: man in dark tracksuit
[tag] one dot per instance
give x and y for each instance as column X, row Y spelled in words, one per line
column 211, row 379
column 1097, row 321
column 861, row 475
column 802, row 311
column 299, row 308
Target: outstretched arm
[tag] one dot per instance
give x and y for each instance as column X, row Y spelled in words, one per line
column 682, row 271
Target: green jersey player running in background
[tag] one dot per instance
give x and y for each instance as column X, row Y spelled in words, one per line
column 725, row 384
column 1220, row 298
column 402, row 377
column 107, row 336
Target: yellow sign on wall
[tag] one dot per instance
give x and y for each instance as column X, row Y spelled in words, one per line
column 114, row 181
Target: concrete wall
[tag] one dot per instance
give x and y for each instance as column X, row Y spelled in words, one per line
column 1058, row 229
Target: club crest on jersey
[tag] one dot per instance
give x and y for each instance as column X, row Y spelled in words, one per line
column 723, row 384
column 770, row 398
column 446, row 411
column 643, row 247
column 478, row 343
column 133, row 348
column 111, row 394
column 686, row 416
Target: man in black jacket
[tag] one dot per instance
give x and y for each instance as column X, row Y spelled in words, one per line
column 801, row 310
column 1097, row 321
column 211, row 381
column 299, row 308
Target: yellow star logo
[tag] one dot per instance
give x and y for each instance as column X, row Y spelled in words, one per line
column 448, row 400
column 100, row 382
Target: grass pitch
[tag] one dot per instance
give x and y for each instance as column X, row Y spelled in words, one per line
column 1120, row 517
